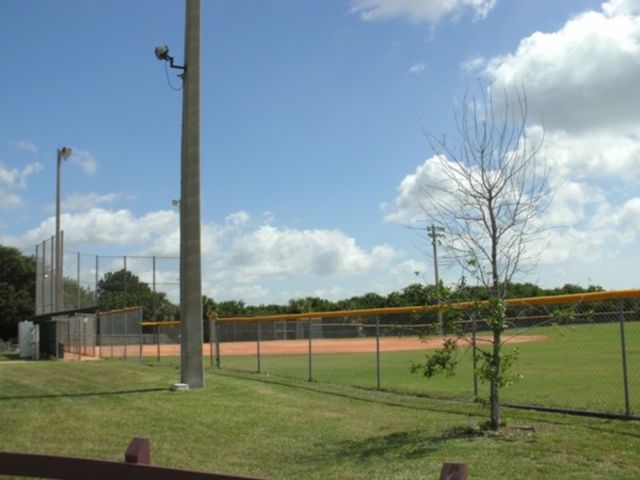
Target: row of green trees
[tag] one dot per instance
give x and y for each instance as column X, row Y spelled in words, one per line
column 123, row 288
column 410, row 296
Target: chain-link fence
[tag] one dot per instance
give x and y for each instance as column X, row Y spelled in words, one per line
column 573, row 352
column 121, row 334
column 45, row 277
column 149, row 281
column 76, row 335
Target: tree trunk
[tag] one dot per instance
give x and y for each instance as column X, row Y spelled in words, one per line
column 495, row 383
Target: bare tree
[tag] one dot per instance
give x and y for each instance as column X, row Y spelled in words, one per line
column 491, row 190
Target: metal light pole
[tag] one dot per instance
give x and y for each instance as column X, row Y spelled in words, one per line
column 192, row 335
column 63, row 154
column 435, row 233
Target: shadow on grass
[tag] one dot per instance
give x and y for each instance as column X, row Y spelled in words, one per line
column 449, row 406
column 11, row 357
column 80, row 395
column 406, row 445
column 297, row 384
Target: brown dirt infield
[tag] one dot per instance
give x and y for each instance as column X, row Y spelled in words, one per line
column 301, row 347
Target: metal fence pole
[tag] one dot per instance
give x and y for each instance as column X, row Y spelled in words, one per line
column 80, row 330
column 475, row 358
column 112, row 335
column 141, row 336
column 158, row 340
column 623, row 344
column 378, row 348
column 95, row 290
column 78, row 284
column 126, row 320
column 310, row 352
column 217, row 328
column 210, row 342
column 258, row 345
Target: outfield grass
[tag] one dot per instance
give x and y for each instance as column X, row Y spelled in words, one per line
column 277, row 428
column 575, row 367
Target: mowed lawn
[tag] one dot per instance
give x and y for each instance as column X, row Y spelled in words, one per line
column 278, row 428
column 577, row 367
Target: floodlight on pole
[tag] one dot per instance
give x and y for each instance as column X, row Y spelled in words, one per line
column 63, row 154
column 162, row 53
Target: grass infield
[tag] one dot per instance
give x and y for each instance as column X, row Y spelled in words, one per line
column 278, row 428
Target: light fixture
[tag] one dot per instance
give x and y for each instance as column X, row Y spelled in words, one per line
column 65, row 152
column 162, row 53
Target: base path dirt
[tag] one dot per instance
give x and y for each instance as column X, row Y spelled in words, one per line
column 319, row 346
column 301, row 347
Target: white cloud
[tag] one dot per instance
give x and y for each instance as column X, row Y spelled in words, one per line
column 85, row 160
column 417, row 68
column 12, row 180
column 430, row 11
column 26, row 146
column 582, row 77
column 473, row 64
column 594, row 155
column 272, row 252
column 241, row 257
column 408, row 206
column 79, row 201
column 582, row 80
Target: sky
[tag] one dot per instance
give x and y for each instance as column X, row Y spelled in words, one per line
column 312, row 133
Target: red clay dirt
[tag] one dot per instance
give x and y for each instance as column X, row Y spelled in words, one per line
column 301, row 347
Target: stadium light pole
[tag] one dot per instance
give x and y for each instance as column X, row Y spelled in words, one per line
column 192, row 335
column 63, row 154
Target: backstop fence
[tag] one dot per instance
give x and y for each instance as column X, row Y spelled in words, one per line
column 83, row 273
column 574, row 352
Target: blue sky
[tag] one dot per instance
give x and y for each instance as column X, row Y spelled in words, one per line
column 312, row 145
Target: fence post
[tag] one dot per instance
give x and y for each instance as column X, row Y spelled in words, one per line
column 217, row 328
column 378, row 348
column 126, row 320
column 78, row 280
column 138, row 451
column 210, row 342
column 158, row 339
column 453, row 471
column 475, row 358
column 310, row 352
column 625, row 375
column 80, row 337
column 141, row 336
column 258, row 344
column 112, row 335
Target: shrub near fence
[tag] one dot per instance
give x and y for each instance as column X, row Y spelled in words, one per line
column 586, row 359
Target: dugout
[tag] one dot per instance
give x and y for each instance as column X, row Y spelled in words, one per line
column 71, row 330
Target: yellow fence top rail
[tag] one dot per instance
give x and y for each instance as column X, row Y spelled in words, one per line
column 512, row 302
column 118, row 312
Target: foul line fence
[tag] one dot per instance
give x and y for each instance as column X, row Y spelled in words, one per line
column 585, row 357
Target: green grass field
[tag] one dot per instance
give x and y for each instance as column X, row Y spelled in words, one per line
column 278, row 428
column 574, row 367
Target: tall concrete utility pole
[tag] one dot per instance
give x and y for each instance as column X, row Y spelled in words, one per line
column 192, row 363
